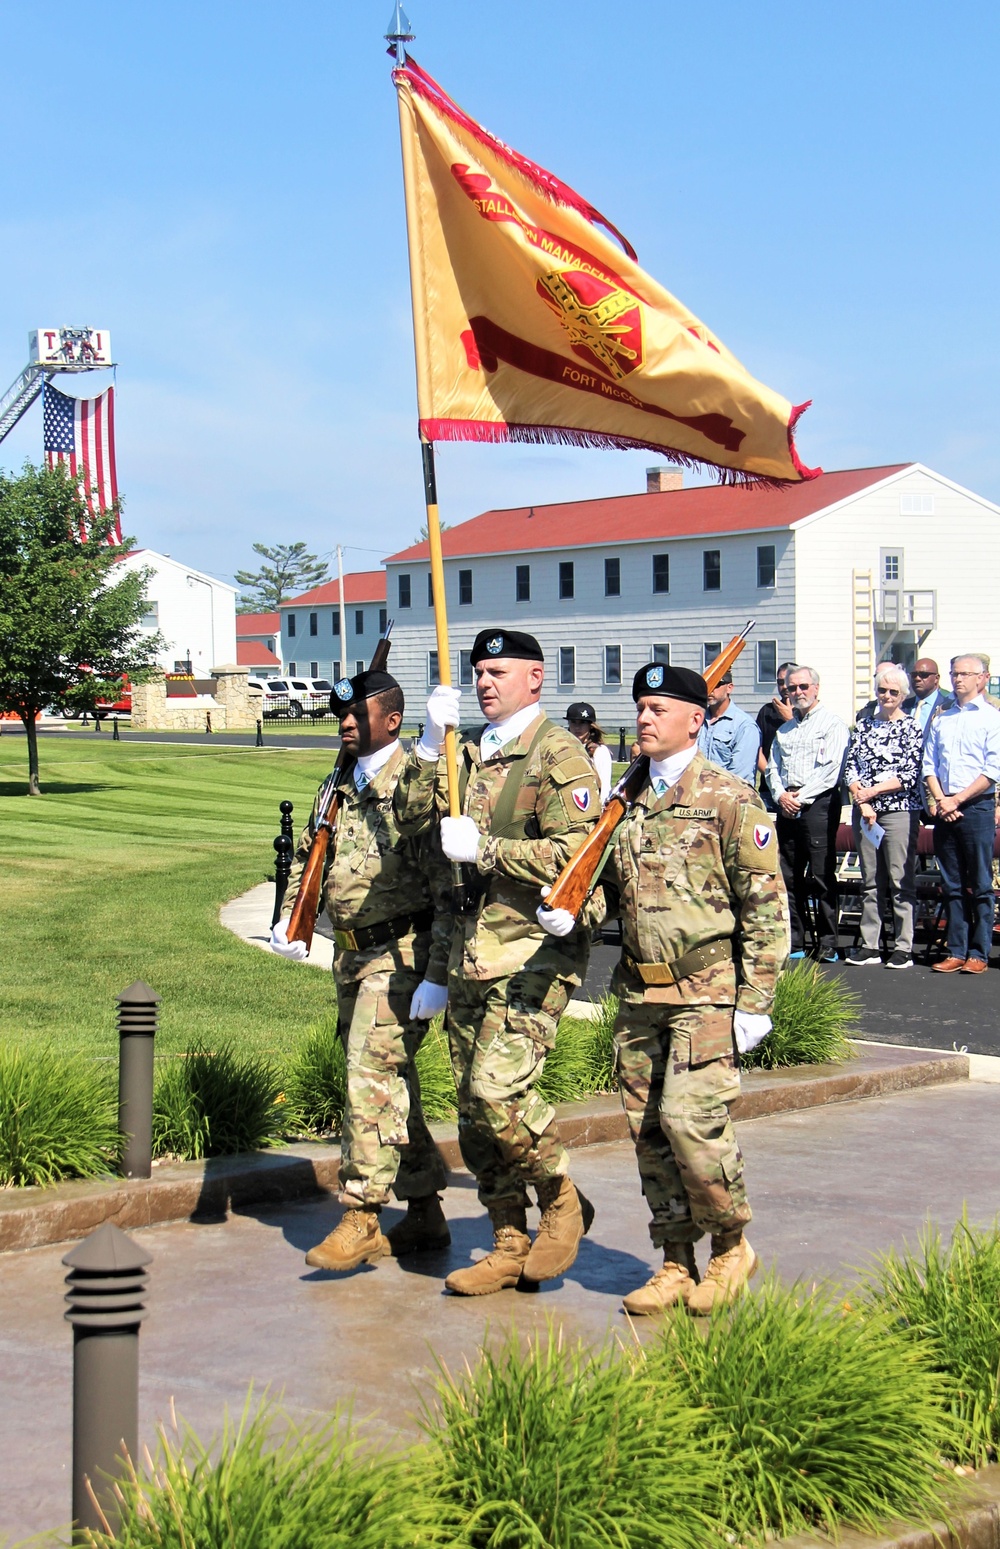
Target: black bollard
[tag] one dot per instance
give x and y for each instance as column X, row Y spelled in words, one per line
column 97, row 722
column 621, row 744
column 284, row 847
column 116, row 737
column 83, row 720
column 107, row 1283
column 208, row 723
column 137, row 1020
column 420, row 729
column 260, row 735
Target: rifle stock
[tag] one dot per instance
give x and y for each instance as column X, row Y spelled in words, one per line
column 573, row 885
column 302, row 925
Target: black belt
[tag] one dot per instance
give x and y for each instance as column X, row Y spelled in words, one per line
column 365, row 936
column 682, row 967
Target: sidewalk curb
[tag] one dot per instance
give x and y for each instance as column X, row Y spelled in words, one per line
column 202, row 1191
column 975, row 1525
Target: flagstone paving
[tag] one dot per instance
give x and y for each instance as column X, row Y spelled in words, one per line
column 232, row 1303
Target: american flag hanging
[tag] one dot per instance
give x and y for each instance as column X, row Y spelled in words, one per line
column 81, row 433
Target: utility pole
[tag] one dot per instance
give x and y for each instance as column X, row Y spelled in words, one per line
column 345, row 669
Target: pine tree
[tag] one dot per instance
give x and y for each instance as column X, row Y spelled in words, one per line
column 290, row 571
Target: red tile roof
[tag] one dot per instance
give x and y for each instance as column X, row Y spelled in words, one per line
column 254, row 653
column 257, row 624
column 361, row 586
column 681, row 513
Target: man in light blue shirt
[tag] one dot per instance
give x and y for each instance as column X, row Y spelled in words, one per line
column 929, row 698
column 961, row 768
column 729, row 737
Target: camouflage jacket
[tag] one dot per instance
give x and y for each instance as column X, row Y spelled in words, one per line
column 696, row 865
column 558, row 802
column 374, row 873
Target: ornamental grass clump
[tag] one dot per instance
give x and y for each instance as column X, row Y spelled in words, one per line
column 812, row 1015
column 316, row 1083
column 438, row 1097
column 58, row 1118
column 816, row 1412
column 948, row 1297
column 549, row 1445
column 218, row 1104
column 265, row 1482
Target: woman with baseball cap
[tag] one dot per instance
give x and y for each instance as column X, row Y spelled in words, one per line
column 582, row 721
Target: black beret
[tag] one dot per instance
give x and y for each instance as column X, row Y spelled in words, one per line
column 490, row 644
column 671, row 682
column 351, row 691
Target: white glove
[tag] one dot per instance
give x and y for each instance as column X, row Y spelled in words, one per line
column 428, row 1000
column 459, row 839
column 443, row 710
column 749, row 1030
column 280, row 943
column 558, row 922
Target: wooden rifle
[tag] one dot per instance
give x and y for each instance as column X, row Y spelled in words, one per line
column 573, row 885
column 302, row 925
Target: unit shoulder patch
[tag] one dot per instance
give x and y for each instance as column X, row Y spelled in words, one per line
column 758, row 848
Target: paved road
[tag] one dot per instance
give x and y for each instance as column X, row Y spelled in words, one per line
column 276, row 735
column 234, row 1303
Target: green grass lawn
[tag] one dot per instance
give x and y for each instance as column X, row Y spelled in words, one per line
column 118, row 872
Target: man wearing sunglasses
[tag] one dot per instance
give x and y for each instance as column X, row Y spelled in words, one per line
column 928, row 698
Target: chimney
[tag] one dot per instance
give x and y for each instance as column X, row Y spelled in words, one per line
column 660, row 479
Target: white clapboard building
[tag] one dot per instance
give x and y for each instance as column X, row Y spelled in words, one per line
column 838, row 571
column 194, row 612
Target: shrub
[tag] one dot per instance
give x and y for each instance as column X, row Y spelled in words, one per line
column 58, row 1118
column 949, row 1297
column 316, row 1085
column 552, row 1446
column 816, row 1412
column 217, row 1104
column 303, row 1490
column 583, row 1059
column 437, row 1084
column 812, row 1015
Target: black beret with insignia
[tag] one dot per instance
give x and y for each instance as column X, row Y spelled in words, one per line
column 352, row 691
column 671, row 682
column 491, row 644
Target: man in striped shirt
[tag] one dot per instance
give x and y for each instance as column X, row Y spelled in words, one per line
column 803, row 773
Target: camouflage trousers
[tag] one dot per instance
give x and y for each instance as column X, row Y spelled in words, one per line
column 499, row 1032
column 690, row 1165
column 385, row 1142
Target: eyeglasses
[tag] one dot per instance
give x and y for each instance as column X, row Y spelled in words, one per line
column 968, row 674
column 894, row 693
column 924, row 674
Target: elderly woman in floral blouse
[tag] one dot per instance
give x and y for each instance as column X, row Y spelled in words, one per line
column 882, row 773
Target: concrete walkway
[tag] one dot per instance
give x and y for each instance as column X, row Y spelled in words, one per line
column 233, row 1303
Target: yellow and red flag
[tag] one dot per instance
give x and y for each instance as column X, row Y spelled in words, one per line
column 532, row 324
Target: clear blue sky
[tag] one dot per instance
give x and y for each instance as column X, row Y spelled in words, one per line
column 218, row 184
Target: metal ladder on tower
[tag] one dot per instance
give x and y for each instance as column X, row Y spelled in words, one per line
column 863, row 636
column 21, row 395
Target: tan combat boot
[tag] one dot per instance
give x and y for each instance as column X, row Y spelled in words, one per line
column 670, row 1285
column 422, row 1229
column 501, row 1268
column 566, row 1218
column 356, row 1239
column 730, row 1268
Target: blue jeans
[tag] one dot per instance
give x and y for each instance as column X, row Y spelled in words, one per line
column 964, row 852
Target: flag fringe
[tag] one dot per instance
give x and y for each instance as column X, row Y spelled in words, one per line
column 797, row 463
column 545, row 182
column 496, row 432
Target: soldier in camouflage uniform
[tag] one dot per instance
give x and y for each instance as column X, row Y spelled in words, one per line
column 386, row 897
column 705, row 919
column 529, row 796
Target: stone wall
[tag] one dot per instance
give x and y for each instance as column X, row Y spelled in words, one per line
column 242, row 707
column 235, row 707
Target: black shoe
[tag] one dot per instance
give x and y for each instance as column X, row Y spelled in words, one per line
column 828, row 955
column 864, row 957
column 900, row 960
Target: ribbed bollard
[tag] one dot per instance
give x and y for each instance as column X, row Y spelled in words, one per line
column 284, row 849
column 107, row 1285
column 621, row 744
column 260, row 735
column 137, row 1020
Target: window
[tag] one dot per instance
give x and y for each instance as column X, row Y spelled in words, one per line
column 359, row 621
column 314, row 623
column 709, row 651
column 661, row 653
column 430, row 590
column 291, row 626
column 767, row 661
column 293, row 668
column 567, row 664
column 612, row 578
column 383, row 619
column 522, row 583
column 892, row 566
column 433, row 677
column 613, row 664
column 661, row 572
column 916, row 505
column 567, row 581
column 335, row 621
column 712, row 570
column 765, row 564
column 465, row 673
column 336, row 671
column 150, row 615
column 314, row 669
column 403, row 582
column 464, row 587
column 359, row 666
